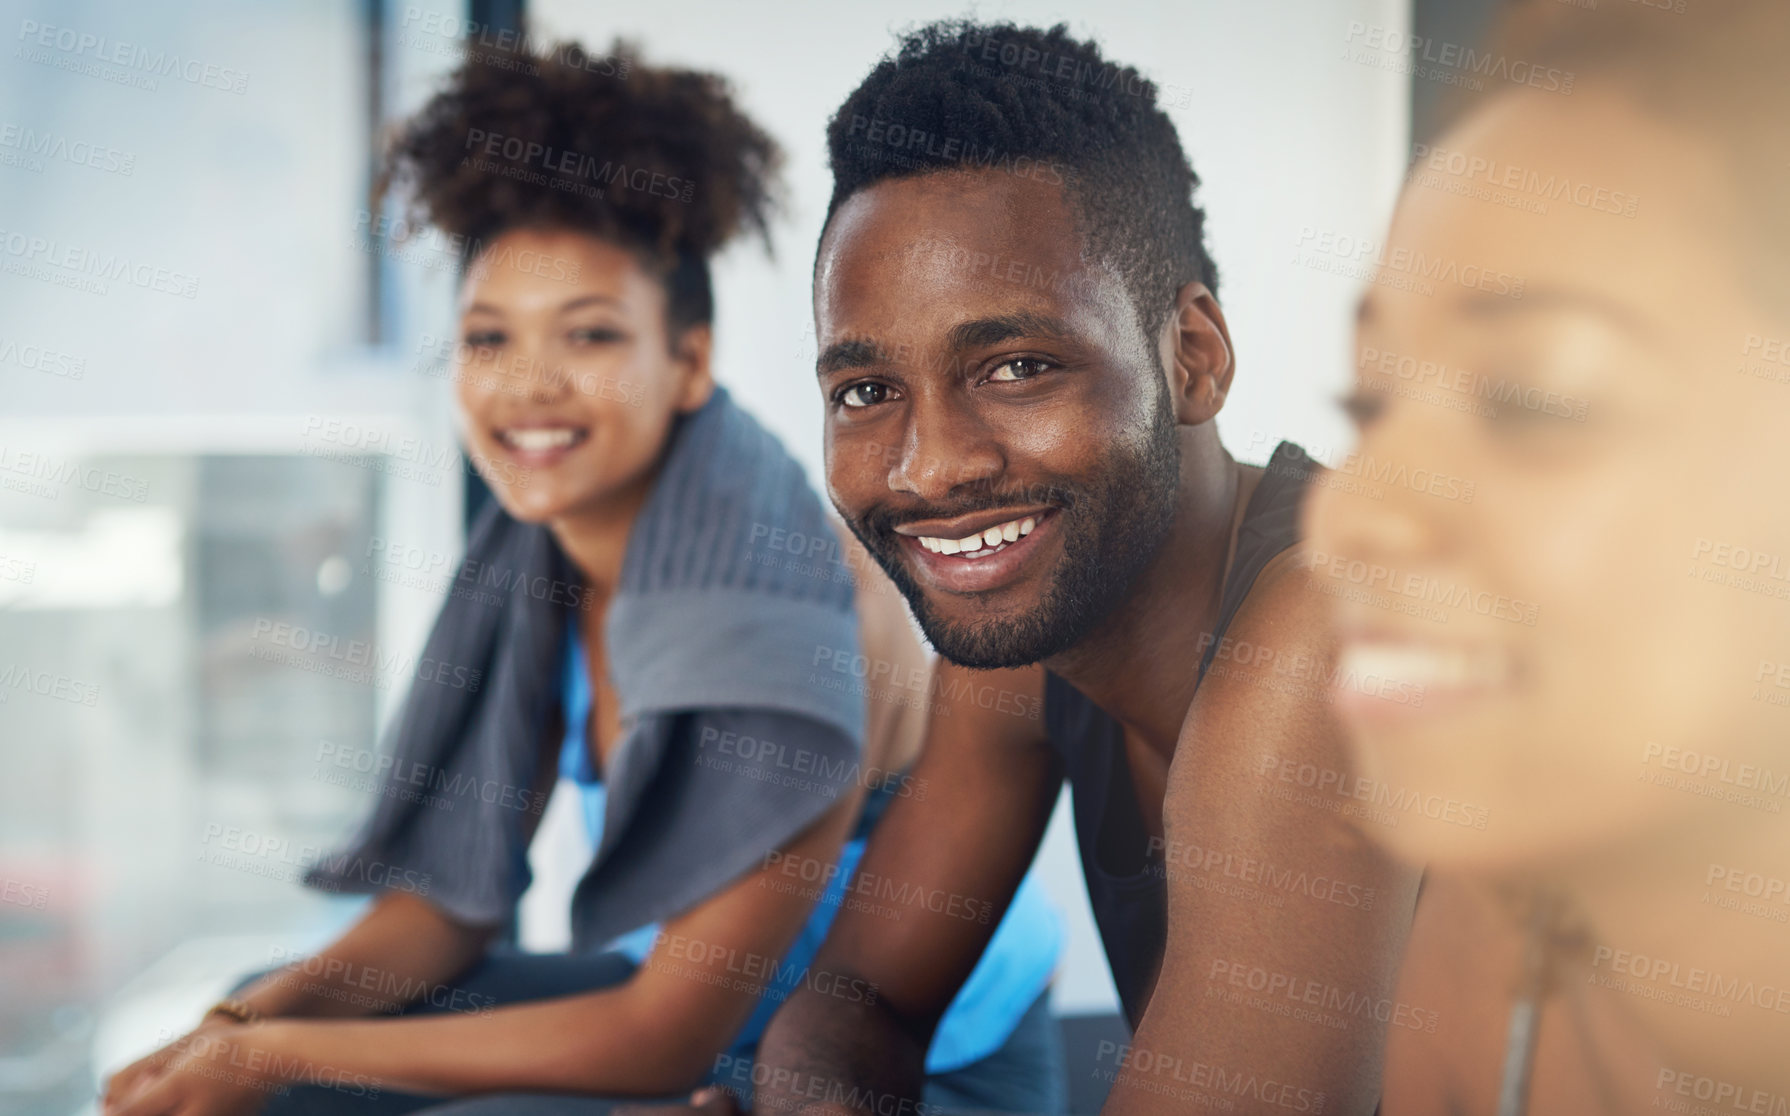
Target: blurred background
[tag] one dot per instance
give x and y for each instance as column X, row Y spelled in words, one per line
column 227, row 445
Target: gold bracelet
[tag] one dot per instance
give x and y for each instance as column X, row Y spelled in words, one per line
column 235, row 1009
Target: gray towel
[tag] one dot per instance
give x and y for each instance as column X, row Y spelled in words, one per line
column 714, row 623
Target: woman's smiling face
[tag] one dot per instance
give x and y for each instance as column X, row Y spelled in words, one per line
column 1584, row 610
column 567, row 376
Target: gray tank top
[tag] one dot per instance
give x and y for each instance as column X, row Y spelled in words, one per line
column 1127, row 883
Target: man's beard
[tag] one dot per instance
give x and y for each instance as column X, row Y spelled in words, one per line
column 1128, row 505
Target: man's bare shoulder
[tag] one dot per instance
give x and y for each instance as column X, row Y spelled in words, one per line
column 1279, row 649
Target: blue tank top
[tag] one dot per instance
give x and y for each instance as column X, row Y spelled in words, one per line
column 1013, row 971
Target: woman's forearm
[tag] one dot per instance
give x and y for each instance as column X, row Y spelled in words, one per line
column 403, row 950
column 590, row 1043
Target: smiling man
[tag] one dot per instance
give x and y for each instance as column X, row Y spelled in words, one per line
column 1022, row 356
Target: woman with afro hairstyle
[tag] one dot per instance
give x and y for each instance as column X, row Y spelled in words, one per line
column 656, row 607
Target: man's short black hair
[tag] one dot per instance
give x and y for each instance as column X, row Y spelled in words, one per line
column 956, row 95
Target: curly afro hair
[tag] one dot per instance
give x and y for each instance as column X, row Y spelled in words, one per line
column 956, row 95
column 657, row 160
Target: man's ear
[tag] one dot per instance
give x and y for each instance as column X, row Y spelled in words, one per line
column 1195, row 348
column 696, row 379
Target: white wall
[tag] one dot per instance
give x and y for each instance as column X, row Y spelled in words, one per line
column 1284, row 130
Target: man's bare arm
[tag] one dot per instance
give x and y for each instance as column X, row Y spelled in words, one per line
column 1286, row 924
column 953, row 846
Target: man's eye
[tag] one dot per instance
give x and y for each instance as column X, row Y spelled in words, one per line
column 1020, row 368
column 596, row 335
column 483, row 339
column 866, row 394
column 1363, row 407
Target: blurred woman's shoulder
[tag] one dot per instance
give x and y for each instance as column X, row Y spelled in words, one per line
column 1461, row 968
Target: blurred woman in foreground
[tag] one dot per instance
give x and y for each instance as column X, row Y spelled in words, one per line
column 1617, row 937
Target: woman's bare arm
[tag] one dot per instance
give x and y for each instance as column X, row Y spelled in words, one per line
column 660, row 1032
column 403, row 943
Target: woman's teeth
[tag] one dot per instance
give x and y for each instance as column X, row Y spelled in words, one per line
column 1427, row 666
column 534, row 439
column 983, row 543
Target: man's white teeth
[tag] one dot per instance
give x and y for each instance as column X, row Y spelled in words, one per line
column 536, row 438
column 1420, row 665
column 989, row 540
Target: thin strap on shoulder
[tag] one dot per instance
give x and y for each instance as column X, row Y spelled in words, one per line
column 1270, row 525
